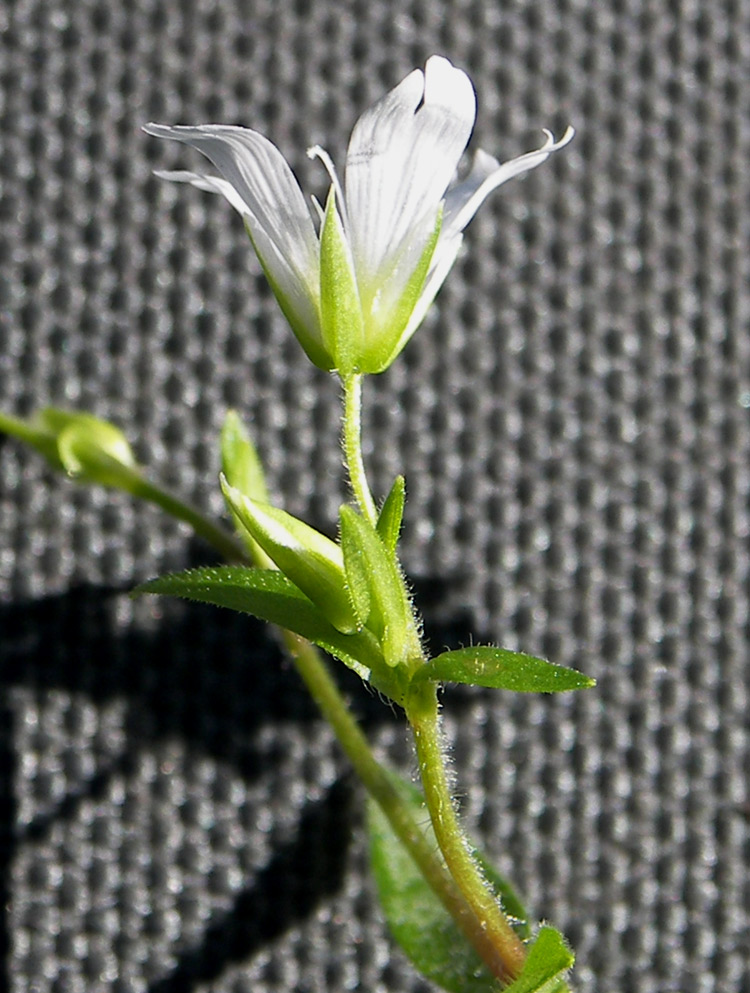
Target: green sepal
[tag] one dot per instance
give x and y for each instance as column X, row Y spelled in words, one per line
column 243, row 470
column 419, row 922
column 307, row 337
column 548, row 961
column 391, row 514
column 270, row 596
column 385, row 343
column 312, row 561
column 375, row 584
column 79, row 444
column 341, row 319
column 500, row 669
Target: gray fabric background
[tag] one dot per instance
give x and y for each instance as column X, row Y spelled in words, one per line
column 573, row 423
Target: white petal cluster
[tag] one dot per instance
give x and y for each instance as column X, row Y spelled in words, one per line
column 402, row 220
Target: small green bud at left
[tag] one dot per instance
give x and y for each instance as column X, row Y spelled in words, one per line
column 83, row 446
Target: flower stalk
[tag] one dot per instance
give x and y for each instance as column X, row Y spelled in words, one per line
column 352, row 445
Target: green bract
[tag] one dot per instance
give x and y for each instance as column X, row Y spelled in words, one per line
column 240, row 461
column 313, row 562
column 376, row 586
column 392, row 513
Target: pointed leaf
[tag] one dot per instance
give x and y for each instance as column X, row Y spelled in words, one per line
column 371, row 567
column 240, row 461
column 269, row 595
column 340, row 309
column 392, row 513
column 498, row 668
column 416, row 917
column 548, row 961
column 243, row 470
column 312, row 561
column 357, row 570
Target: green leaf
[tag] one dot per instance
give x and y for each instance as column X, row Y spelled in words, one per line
column 240, row 461
column 340, row 309
column 544, row 970
column 312, row 561
column 417, row 919
column 374, row 580
column 356, row 568
column 501, row 669
column 392, row 513
column 269, row 595
column 243, row 470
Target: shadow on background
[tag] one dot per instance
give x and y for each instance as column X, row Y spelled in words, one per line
column 204, row 676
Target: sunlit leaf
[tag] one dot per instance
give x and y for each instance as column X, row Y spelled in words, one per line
column 498, row 668
column 311, row 560
column 269, row 595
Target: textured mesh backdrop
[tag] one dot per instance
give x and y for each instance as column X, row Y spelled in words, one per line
column 574, row 426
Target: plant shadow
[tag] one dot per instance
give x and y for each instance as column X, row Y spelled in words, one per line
column 205, row 677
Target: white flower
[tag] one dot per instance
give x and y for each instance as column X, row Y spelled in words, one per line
column 355, row 280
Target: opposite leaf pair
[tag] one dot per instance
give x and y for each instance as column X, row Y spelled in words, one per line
column 349, row 598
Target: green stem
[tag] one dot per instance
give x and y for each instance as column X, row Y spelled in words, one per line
column 218, row 537
column 375, row 778
column 352, row 445
column 379, row 784
column 457, row 882
column 422, row 710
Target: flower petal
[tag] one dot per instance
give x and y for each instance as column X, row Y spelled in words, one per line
column 263, row 181
column 260, row 185
column 464, row 199
column 209, row 184
column 461, row 203
column 402, row 154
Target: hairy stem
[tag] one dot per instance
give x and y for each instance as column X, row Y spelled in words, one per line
column 379, row 784
column 422, row 710
column 352, row 445
column 376, row 779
